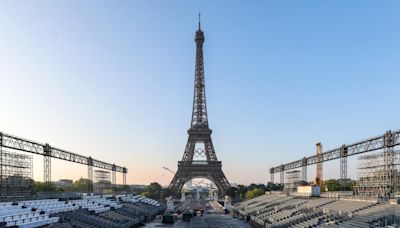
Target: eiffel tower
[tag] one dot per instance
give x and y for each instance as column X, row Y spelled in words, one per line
column 199, row 159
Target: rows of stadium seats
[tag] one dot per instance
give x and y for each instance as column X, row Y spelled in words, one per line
column 349, row 206
column 286, row 211
column 129, row 198
column 83, row 218
column 262, row 204
column 50, row 206
column 275, row 209
column 298, row 204
column 97, row 204
column 275, row 200
column 251, row 201
column 120, row 218
column 22, row 216
column 148, row 211
column 378, row 215
column 136, row 198
column 89, row 211
column 330, row 212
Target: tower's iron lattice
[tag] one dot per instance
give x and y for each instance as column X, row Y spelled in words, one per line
column 199, row 159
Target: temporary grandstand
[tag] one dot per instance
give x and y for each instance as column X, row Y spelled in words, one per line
column 88, row 210
column 283, row 210
column 378, row 174
column 15, row 174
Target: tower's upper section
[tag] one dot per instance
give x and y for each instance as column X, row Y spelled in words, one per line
column 199, row 35
column 199, row 113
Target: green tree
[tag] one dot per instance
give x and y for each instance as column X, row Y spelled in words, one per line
column 153, row 191
column 337, row 185
column 274, row 187
column 347, row 185
column 81, row 185
column 39, row 187
column 331, row 185
column 233, row 192
column 254, row 193
column 242, row 191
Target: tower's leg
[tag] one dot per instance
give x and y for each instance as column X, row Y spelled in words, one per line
column 272, row 178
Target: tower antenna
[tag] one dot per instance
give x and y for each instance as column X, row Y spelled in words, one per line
column 199, row 21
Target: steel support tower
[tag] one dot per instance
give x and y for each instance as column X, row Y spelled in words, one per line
column 46, row 167
column 199, row 144
column 343, row 162
column 113, row 178
column 124, row 171
column 15, row 174
column 320, row 169
column 90, row 174
column 272, row 175
column 378, row 174
column 304, row 170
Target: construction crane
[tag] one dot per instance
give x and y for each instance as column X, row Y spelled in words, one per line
column 320, row 171
column 197, row 183
column 170, row 171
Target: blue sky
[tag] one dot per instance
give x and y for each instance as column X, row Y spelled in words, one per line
column 114, row 80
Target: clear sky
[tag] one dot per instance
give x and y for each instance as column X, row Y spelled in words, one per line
column 114, row 80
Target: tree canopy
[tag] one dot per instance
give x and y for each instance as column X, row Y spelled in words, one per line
column 153, row 191
column 253, row 193
column 337, row 185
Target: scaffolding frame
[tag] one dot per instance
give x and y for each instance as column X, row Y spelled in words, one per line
column 102, row 180
column 293, row 180
column 16, row 175
column 378, row 173
column 101, row 175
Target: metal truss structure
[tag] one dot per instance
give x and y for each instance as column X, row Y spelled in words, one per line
column 102, row 175
column 15, row 174
column 48, row 152
column 386, row 141
column 378, row 174
column 199, row 145
column 320, row 166
column 292, row 180
column 102, row 180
